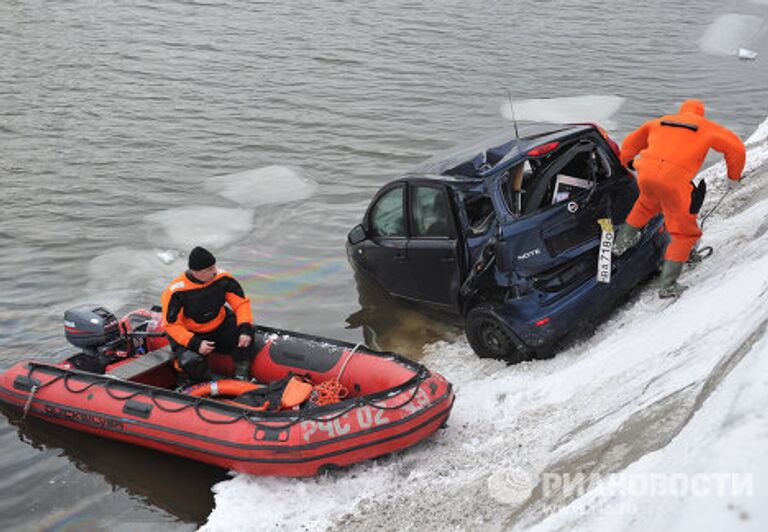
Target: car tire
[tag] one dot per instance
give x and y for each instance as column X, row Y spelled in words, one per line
column 490, row 337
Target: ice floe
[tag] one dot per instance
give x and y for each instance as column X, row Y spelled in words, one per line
column 573, row 109
column 728, row 33
column 262, row 186
column 186, row 227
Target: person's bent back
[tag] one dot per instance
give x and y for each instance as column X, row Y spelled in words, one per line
column 684, row 139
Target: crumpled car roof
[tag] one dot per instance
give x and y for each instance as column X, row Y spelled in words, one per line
column 476, row 159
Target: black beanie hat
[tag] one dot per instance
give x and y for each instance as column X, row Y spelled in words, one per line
column 200, row 259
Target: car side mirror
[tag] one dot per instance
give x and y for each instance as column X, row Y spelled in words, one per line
column 357, row 234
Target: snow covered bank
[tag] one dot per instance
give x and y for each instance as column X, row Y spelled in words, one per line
column 712, row 476
column 654, row 390
column 725, row 440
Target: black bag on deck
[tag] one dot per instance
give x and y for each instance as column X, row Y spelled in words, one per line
column 268, row 396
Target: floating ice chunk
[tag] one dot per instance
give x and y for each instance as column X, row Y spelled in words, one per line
column 186, row 227
column 589, row 108
column 135, row 267
column 728, row 33
column 118, row 274
column 168, row 256
column 746, row 54
column 262, row 186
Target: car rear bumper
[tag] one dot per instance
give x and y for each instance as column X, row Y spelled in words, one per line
column 540, row 319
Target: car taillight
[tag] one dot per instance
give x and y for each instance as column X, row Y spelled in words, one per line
column 604, row 134
column 542, row 321
column 543, row 149
column 611, row 143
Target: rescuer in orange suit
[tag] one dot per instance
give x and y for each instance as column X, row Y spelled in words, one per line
column 205, row 309
column 667, row 153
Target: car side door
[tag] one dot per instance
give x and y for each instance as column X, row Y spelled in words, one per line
column 384, row 252
column 433, row 246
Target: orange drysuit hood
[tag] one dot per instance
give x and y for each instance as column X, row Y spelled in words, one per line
column 695, row 107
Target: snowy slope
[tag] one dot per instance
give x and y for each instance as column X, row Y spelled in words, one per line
column 653, row 391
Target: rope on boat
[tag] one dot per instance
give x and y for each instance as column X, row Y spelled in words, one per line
column 328, row 393
column 28, row 404
column 349, row 357
column 332, row 391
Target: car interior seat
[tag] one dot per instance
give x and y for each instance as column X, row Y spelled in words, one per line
column 435, row 217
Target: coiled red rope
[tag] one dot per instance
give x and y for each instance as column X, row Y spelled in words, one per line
column 328, row 393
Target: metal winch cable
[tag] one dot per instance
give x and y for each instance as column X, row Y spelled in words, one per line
column 713, row 209
column 720, row 201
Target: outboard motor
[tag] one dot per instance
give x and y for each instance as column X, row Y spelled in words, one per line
column 104, row 339
column 90, row 327
column 95, row 330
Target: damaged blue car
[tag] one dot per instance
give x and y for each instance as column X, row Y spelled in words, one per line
column 507, row 236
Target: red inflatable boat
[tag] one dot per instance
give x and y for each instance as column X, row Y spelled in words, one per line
column 127, row 394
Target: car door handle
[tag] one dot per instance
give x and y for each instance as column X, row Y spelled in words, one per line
column 400, row 257
column 448, row 260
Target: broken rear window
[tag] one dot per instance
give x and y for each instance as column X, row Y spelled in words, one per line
column 514, row 185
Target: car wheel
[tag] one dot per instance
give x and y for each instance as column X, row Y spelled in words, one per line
column 491, row 338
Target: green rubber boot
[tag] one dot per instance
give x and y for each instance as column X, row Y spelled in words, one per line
column 670, row 272
column 626, row 238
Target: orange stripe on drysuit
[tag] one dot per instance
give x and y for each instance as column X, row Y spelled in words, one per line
column 668, row 158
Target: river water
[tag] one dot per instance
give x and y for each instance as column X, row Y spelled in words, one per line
column 117, row 117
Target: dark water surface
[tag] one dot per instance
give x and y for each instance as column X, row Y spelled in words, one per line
column 115, row 115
